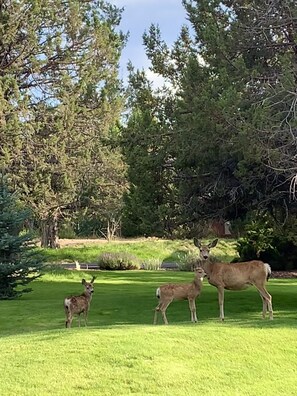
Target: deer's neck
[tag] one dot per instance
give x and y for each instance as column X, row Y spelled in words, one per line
column 197, row 281
column 88, row 296
column 206, row 265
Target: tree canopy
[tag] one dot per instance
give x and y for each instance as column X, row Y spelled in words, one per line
column 217, row 141
column 60, row 98
column 232, row 144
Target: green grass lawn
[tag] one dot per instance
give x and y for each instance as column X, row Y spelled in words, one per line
column 122, row 353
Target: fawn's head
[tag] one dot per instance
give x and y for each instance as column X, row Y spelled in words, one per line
column 205, row 249
column 89, row 288
column 200, row 273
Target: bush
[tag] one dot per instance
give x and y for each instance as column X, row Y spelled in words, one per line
column 192, row 261
column 189, row 262
column 118, row 261
column 265, row 241
column 151, row 265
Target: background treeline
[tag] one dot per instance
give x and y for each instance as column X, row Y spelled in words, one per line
column 216, row 142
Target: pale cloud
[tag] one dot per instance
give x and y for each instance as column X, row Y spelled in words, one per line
column 156, row 79
column 137, row 17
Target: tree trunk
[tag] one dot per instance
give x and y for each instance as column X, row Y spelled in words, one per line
column 49, row 232
column 113, row 226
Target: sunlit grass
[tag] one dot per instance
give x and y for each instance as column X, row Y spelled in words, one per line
column 122, row 353
column 207, row 359
column 150, row 249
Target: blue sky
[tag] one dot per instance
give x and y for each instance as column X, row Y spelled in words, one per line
column 137, row 17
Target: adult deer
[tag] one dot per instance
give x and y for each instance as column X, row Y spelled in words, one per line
column 236, row 276
column 76, row 305
column 182, row 291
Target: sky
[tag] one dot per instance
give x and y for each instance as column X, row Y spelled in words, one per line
column 137, row 17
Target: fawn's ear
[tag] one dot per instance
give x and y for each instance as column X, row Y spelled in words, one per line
column 83, row 281
column 213, row 243
column 92, row 281
column 197, row 243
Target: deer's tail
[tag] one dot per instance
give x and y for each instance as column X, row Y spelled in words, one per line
column 158, row 293
column 67, row 303
column 268, row 270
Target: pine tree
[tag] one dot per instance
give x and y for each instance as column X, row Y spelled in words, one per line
column 19, row 264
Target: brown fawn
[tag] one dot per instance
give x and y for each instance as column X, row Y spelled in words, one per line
column 183, row 291
column 77, row 305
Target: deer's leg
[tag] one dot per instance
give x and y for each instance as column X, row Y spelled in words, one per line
column 86, row 317
column 163, row 308
column 67, row 313
column 221, row 302
column 192, row 306
column 267, row 297
column 157, row 309
column 69, row 320
column 264, row 309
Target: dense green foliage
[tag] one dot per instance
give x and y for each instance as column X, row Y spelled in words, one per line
column 19, row 264
column 217, row 142
column 148, row 202
column 228, row 130
column 60, row 100
column 266, row 240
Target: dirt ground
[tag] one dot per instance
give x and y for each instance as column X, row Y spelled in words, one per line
column 96, row 241
column 81, row 242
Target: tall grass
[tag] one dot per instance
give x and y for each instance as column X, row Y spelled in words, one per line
column 122, row 353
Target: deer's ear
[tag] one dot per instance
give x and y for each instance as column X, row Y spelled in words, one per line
column 213, row 243
column 197, row 243
column 94, row 277
column 83, row 281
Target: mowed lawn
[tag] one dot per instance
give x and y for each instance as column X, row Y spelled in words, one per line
column 122, row 353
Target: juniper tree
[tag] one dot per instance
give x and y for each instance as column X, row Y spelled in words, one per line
column 234, row 129
column 59, row 99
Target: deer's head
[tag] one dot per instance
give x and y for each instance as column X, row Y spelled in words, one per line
column 200, row 273
column 205, row 249
column 89, row 288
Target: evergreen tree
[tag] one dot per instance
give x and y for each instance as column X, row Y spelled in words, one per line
column 59, row 98
column 145, row 138
column 234, row 128
column 19, row 264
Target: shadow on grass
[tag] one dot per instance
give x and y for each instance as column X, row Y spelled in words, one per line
column 128, row 298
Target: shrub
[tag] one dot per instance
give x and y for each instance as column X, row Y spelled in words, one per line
column 192, row 261
column 118, row 261
column 151, row 265
column 265, row 241
column 189, row 263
